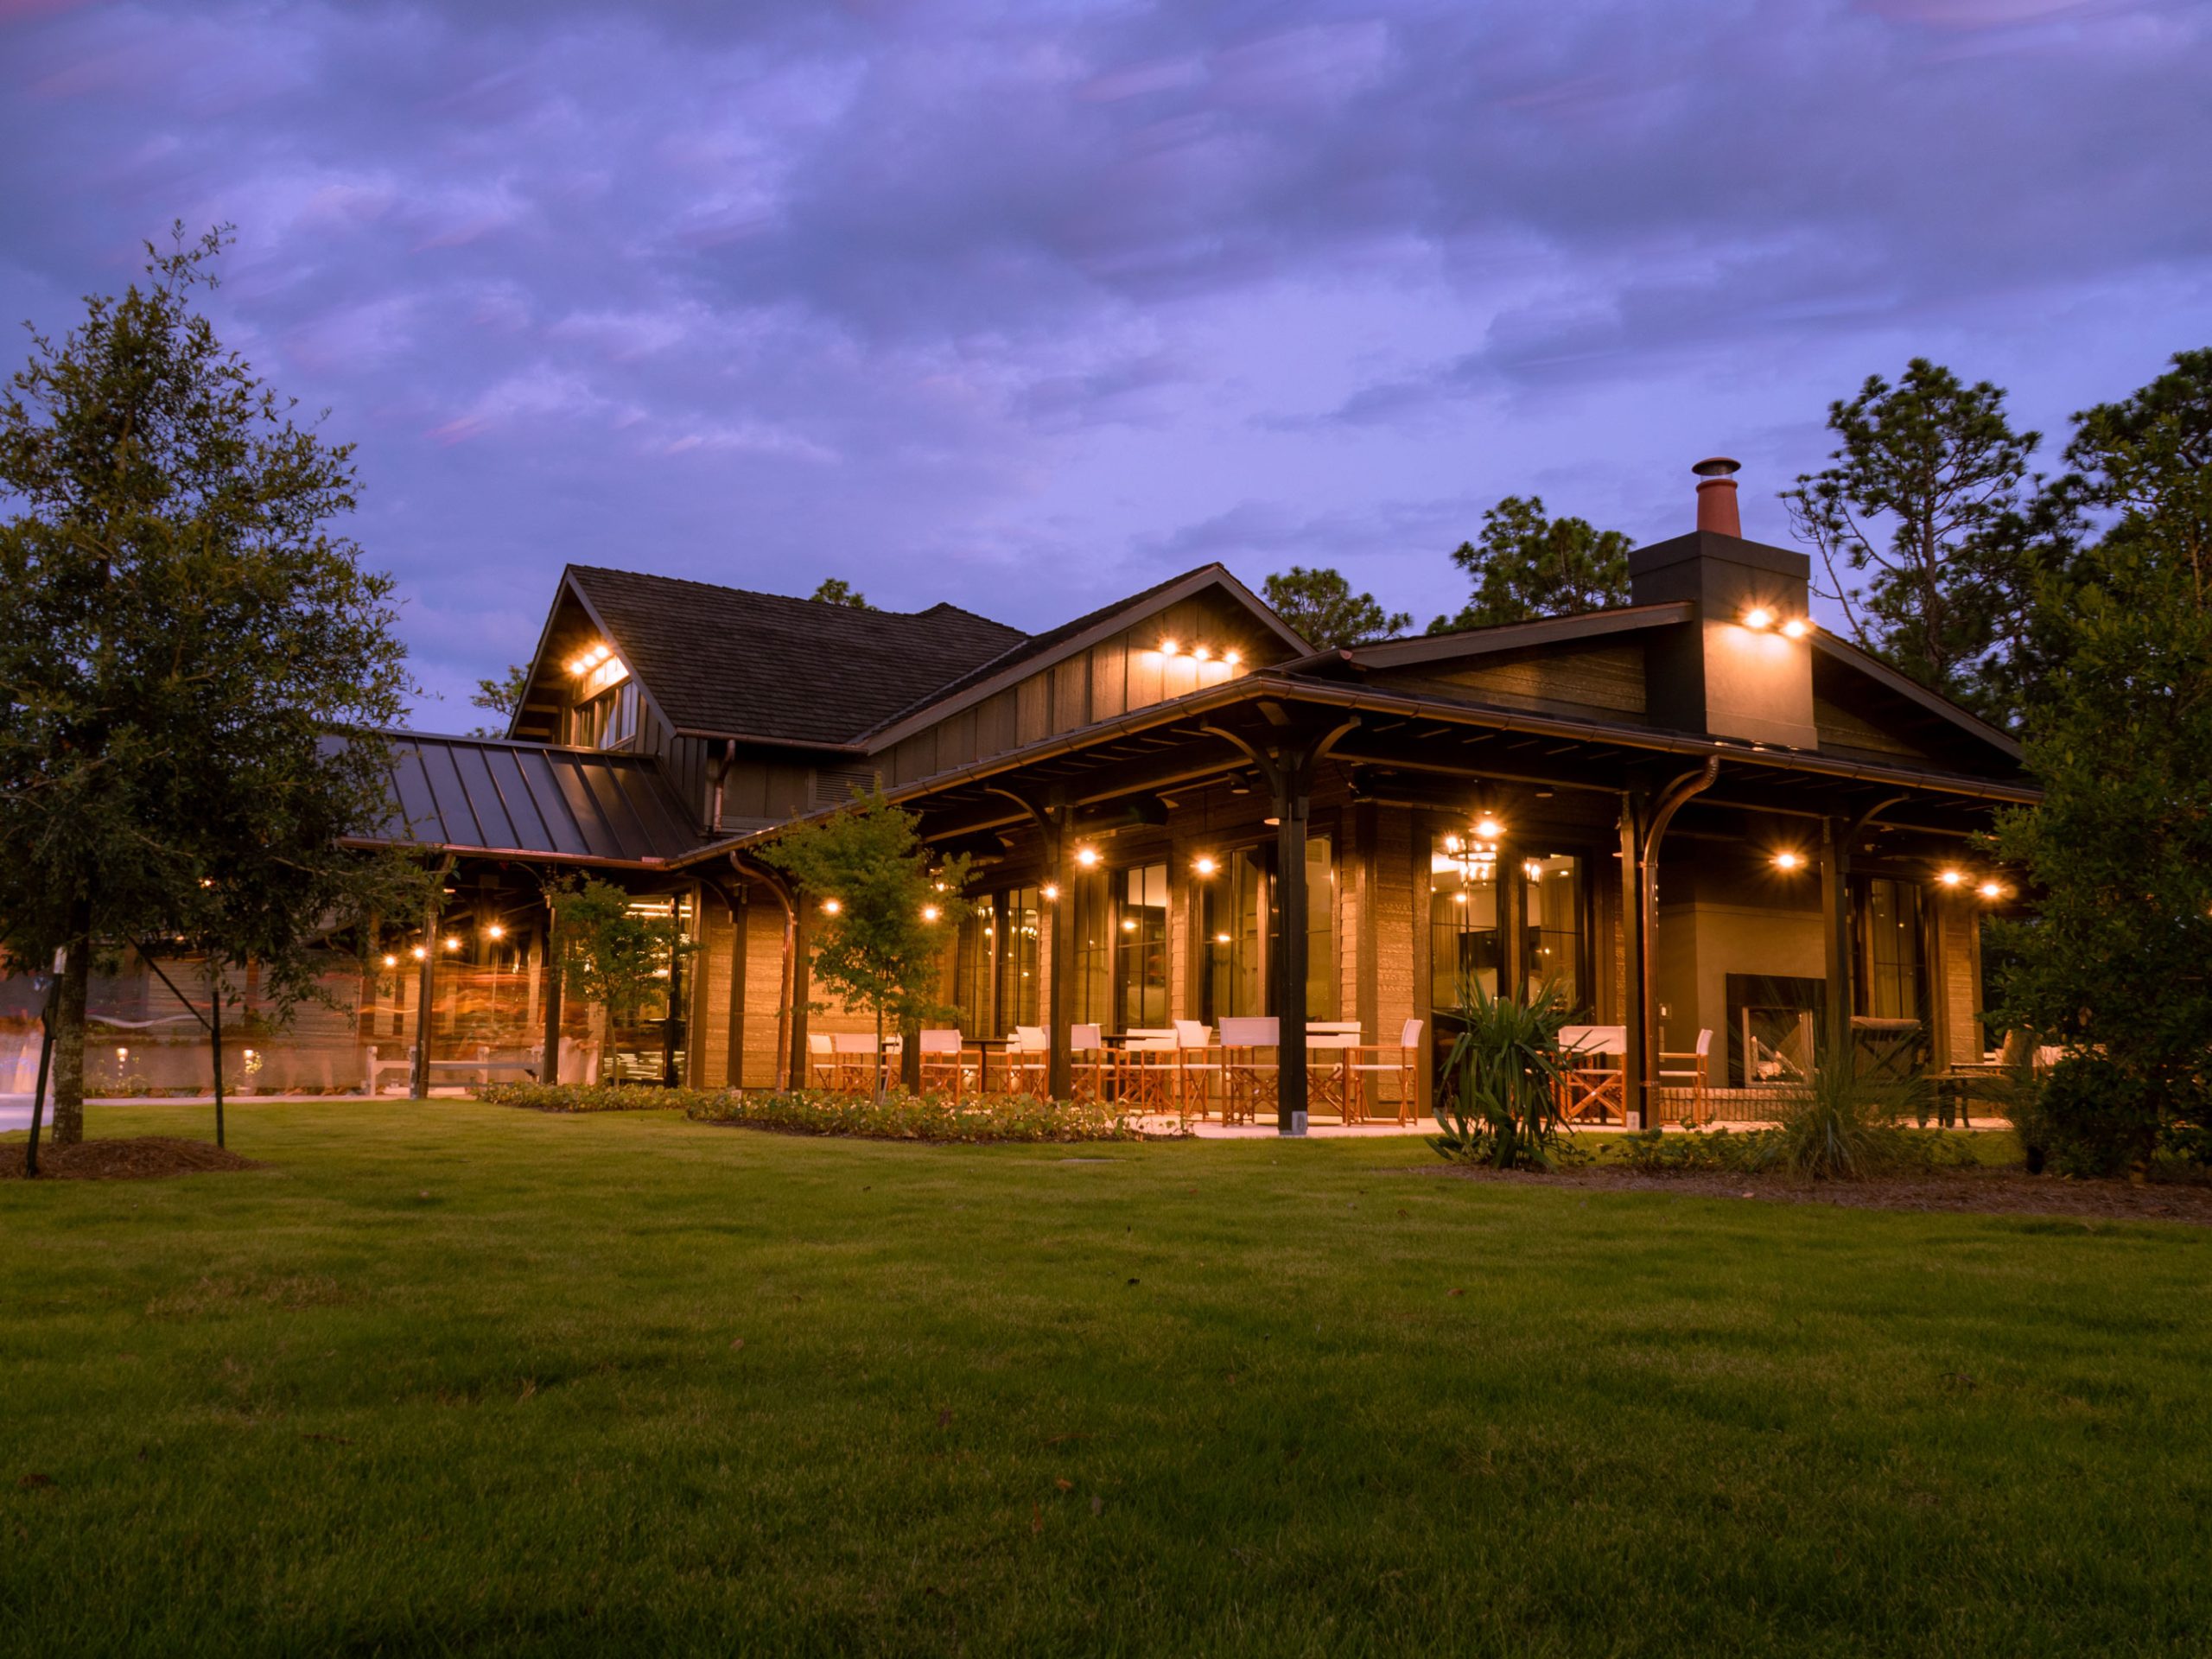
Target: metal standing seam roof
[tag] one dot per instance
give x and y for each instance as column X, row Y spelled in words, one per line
column 526, row 800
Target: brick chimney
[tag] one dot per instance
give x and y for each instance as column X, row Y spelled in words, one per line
column 1742, row 666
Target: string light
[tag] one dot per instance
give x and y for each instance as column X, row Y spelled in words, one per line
column 831, row 906
column 495, row 932
column 391, row 961
column 929, row 912
column 419, row 952
column 453, row 944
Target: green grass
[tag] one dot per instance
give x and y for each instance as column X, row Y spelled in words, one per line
column 450, row 1377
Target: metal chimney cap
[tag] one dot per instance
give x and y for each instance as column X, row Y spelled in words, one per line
column 1717, row 467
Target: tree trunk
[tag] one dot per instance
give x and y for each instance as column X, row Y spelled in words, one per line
column 69, row 1031
column 879, row 1053
column 215, row 1038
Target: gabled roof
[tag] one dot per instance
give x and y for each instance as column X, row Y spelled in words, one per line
column 526, row 800
column 1511, row 636
column 1035, row 651
column 1911, row 690
column 725, row 662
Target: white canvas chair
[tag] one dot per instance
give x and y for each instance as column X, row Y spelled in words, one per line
column 1691, row 1070
column 854, row 1055
column 1592, row 1087
column 1248, row 1082
column 1329, row 1044
column 1146, row 1073
column 1379, row 1061
column 1028, row 1067
column 821, row 1061
column 1196, row 1074
column 942, row 1064
column 1086, row 1062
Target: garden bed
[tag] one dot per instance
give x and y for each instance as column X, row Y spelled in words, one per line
column 129, row 1158
column 895, row 1117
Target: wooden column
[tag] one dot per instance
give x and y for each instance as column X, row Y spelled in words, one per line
column 1059, row 1062
column 549, row 1068
column 802, row 988
column 1636, row 999
column 419, row 1082
column 1366, row 1005
column 1835, row 937
column 741, row 962
column 1293, row 803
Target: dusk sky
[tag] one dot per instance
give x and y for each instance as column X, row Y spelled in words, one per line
column 1027, row 306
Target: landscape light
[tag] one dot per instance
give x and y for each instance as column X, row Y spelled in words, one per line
column 1951, row 878
column 1796, row 628
column 831, row 906
column 1786, row 861
column 1204, row 865
column 1087, row 856
column 1758, row 617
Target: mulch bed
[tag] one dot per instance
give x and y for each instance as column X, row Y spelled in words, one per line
column 130, row 1158
column 1976, row 1191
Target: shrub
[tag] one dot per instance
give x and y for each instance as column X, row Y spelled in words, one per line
column 1841, row 1126
column 1736, row 1152
column 1500, row 1105
column 587, row 1096
column 2092, row 1118
column 898, row 1117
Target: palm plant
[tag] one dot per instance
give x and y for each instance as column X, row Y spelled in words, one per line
column 1501, row 1102
column 1841, row 1125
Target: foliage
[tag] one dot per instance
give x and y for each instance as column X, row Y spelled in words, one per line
column 1527, row 565
column 1925, row 492
column 2117, row 961
column 883, row 908
column 502, row 697
column 1731, row 1152
column 569, row 1098
column 1500, row 1105
column 1841, row 1125
column 610, row 954
column 836, row 590
column 2092, row 1118
column 899, row 1116
column 182, row 632
column 1321, row 606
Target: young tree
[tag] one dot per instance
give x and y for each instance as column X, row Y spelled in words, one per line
column 836, row 590
column 1321, row 606
column 608, row 953
column 2118, row 965
column 182, row 635
column 1925, row 496
column 885, row 909
column 1526, row 566
column 501, row 697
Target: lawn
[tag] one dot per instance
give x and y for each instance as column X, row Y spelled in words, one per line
column 448, row 1376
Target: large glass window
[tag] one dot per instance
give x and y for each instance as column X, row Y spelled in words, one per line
column 1091, row 915
column 975, row 971
column 1320, row 929
column 1552, row 947
column 1018, row 981
column 1141, row 970
column 1463, row 937
column 1231, row 913
column 1889, row 977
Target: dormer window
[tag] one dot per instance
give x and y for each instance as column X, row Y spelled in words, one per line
column 605, row 713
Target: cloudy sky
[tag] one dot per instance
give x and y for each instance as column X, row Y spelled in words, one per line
column 1029, row 304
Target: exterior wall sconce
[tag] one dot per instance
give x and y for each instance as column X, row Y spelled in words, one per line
column 1050, row 890
column 1787, row 861
column 1203, row 865
column 1758, row 617
column 1991, row 890
column 1087, row 856
column 1950, row 878
column 1796, row 628
column 1169, row 648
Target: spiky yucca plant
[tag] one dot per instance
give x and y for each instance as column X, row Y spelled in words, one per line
column 1841, row 1126
column 1500, row 1105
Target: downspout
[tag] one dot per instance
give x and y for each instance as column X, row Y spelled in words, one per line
column 725, row 754
column 1647, row 889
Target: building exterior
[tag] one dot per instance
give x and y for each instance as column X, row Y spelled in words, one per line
column 1695, row 813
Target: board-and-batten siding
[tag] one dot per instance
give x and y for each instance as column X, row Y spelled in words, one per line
column 1607, row 682
column 1116, row 675
column 1840, row 728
